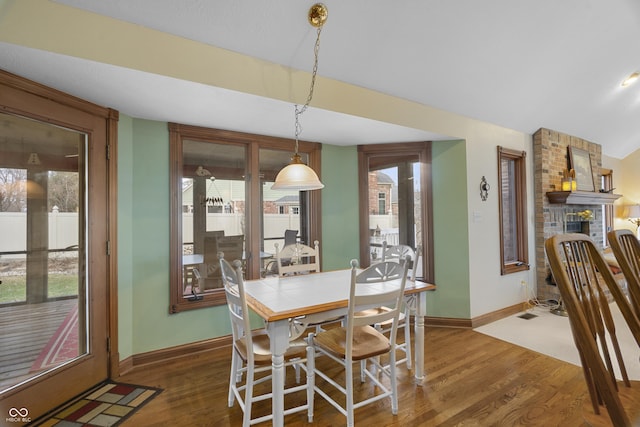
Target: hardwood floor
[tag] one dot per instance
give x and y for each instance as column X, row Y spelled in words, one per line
column 471, row 380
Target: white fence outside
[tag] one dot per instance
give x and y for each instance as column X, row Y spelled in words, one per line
column 233, row 224
column 63, row 231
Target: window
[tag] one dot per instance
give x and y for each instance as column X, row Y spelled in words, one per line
column 216, row 204
column 395, row 201
column 607, row 210
column 512, row 196
column 381, row 204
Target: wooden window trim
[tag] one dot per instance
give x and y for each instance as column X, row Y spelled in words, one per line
column 607, row 184
column 178, row 132
column 376, row 155
column 521, row 210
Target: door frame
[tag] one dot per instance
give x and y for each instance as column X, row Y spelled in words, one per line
column 30, row 99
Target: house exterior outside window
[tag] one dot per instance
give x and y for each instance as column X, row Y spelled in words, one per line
column 382, row 203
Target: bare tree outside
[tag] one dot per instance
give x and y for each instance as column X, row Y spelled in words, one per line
column 13, row 197
column 63, row 191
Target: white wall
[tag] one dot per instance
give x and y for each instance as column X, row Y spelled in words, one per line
column 489, row 290
column 628, row 185
column 618, row 178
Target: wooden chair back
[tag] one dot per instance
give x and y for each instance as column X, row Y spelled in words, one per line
column 210, row 258
column 584, row 281
column 626, row 248
column 298, row 258
column 231, row 246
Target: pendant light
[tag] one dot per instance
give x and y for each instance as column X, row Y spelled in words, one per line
column 297, row 175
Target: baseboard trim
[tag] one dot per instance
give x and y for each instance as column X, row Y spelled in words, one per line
column 447, row 322
column 496, row 315
column 163, row 355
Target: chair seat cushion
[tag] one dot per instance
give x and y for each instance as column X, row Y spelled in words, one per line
column 380, row 310
column 367, row 342
column 262, row 349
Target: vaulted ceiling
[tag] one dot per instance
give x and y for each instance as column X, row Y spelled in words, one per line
column 518, row 64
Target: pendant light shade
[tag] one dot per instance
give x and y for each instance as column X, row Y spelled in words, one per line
column 297, row 176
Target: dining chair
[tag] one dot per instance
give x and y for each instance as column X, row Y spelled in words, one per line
column 298, row 258
column 399, row 254
column 231, row 246
column 302, row 259
column 626, row 249
column 290, row 237
column 210, row 271
column 251, row 353
column 357, row 340
column 585, row 281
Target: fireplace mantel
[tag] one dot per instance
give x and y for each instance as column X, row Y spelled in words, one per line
column 582, row 197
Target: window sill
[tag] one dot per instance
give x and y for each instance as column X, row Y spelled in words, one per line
column 514, row 268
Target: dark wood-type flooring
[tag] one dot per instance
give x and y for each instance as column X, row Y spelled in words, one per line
column 471, row 380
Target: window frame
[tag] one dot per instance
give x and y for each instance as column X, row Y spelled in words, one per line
column 607, row 210
column 253, row 143
column 377, row 153
column 520, row 185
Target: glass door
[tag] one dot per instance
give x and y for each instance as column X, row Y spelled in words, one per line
column 394, row 206
column 396, row 201
column 53, row 300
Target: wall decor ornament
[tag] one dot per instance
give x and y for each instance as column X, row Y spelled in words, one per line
column 484, row 189
column 580, row 162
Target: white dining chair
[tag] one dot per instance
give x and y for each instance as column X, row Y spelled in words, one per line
column 399, row 254
column 298, row 258
column 251, row 353
column 359, row 341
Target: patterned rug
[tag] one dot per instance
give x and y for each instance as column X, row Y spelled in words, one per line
column 108, row 405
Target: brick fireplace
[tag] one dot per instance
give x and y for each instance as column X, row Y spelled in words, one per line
column 550, row 159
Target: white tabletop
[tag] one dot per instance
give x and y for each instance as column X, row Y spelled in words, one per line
column 276, row 298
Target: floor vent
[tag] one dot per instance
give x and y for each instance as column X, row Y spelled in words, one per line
column 527, row 316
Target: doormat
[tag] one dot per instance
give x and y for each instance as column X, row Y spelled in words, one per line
column 108, row 405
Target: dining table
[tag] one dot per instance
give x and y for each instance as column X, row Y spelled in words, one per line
column 316, row 297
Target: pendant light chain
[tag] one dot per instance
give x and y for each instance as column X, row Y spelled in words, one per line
column 300, row 110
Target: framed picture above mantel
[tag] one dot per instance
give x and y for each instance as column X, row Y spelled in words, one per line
column 580, row 162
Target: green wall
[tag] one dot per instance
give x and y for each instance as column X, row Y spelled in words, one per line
column 340, row 238
column 143, row 236
column 143, row 248
column 451, row 242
